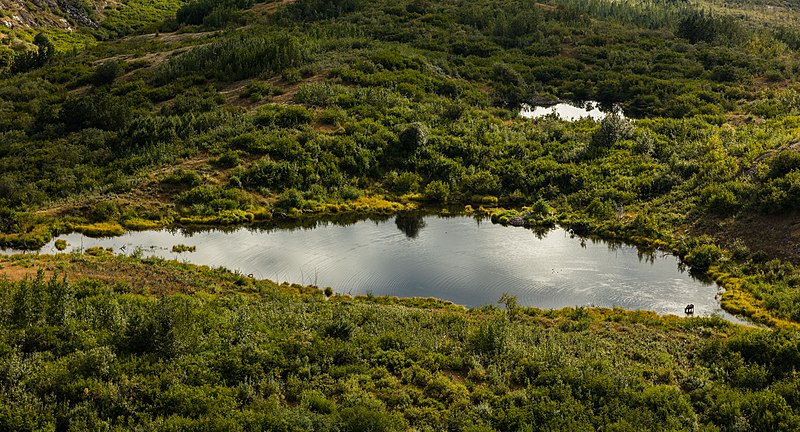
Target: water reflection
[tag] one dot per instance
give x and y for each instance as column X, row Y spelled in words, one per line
column 410, row 224
column 540, row 232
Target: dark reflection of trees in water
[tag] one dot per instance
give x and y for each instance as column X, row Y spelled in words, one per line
column 698, row 275
column 410, row 224
column 645, row 254
column 540, row 232
column 283, row 224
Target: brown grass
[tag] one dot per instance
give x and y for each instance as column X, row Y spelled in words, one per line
column 139, row 275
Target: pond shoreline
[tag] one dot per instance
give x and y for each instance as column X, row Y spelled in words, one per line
column 734, row 298
column 443, row 273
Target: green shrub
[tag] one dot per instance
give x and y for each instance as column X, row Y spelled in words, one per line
column 412, row 137
column 393, row 341
column 333, row 117
column 613, row 128
column 542, row 208
column 316, row 402
column 350, row 193
column 215, row 198
column 340, row 329
column 105, row 211
column 321, row 94
column 182, row 177
column 289, row 199
column 106, row 73
column 480, row 182
column 229, row 159
column 704, row 256
column 669, row 406
column 236, row 57
column 304, row 10
column 258, row 90
column 437, row 191
column 701, row 26
column 270, row 174
column 61, row 244
column 291, row 76
column 720, row 199
column 490, row 338
column 98, row 110
column 284, row 117
column 782, row 164
column 362, row 419
column 600, row 209
column 404, row 182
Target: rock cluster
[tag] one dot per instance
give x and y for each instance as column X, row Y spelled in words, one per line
column 21, row 14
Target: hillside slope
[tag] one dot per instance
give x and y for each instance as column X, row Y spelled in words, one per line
column 288, row 111
column 76, row 24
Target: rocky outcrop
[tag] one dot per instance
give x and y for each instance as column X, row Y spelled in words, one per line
column 79, row 14
column 516, row 221
column 63, row 14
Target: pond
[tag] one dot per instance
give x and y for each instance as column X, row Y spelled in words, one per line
column 565, row 111
column 462, row 259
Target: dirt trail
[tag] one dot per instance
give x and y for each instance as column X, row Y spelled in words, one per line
column 270, row 7
column 140, row 276
column 752, row 170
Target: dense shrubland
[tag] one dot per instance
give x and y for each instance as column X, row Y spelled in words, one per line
column 380, row 69
column 327, row 106
column 240, row 354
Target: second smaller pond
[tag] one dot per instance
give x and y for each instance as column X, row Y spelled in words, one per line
column 565, row 111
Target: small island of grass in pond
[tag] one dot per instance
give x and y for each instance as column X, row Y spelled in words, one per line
column 181, row 248
column 60, row 245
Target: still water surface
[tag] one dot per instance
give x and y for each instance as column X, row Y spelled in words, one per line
column 565, row 111
column 460, row 259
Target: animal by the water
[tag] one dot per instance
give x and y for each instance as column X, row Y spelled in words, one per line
column 689, row 310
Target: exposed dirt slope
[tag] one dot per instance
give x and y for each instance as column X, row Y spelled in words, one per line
column 777, row 235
